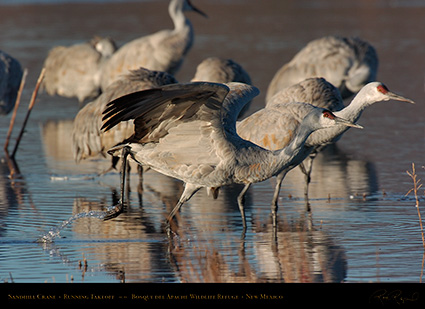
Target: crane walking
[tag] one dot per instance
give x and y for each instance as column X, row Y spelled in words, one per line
column 273, row 127
column 160, row 51
column 188, row 131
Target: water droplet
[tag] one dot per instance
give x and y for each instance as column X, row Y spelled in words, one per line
column 54, row 232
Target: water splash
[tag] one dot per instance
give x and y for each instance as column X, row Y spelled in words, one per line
column 54, row 232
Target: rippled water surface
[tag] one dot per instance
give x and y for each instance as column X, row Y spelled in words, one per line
column 362, row 227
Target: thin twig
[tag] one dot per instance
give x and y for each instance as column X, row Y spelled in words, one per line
column 12, row 165
column 416, row 186
column 31, row 105
column 15, row 110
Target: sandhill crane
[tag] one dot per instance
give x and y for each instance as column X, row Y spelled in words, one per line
column 188, row 131
column 347, row 63
column 315, row 91
column 273, row 127
column 74, row 71
column 219, row 70
column 160, row 51
column 10, row 79
column 88, row 139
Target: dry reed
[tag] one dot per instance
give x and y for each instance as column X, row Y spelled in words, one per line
column 30, row 107
column 416, row 186
column 15, row 109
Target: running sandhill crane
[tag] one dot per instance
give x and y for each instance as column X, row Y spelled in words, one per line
column 160, row 51
column 88, row 139
column 347, row 63
column 10, row 79
column 219, row 70
column 188, row 131
column 74, row 71
column 273, row 127
column 315, row 91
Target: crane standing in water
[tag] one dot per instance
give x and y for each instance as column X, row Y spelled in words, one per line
column 273, row 127
column 188, row 131
column 160, row 51
column 347, row 63
column 74, row 71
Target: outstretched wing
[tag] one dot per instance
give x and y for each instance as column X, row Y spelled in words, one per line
column 157, row 110
column 188, row 123
column 181, row 130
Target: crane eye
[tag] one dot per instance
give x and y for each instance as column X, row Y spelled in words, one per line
column 382, row 88
column 328, row 114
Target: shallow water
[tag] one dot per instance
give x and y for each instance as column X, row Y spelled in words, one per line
column 362, row 228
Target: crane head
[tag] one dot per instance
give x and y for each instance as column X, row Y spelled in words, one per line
column 328, row 119
column 377, row 91
column 188, row 6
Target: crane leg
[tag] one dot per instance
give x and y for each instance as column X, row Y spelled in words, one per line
column 241, row 202
column 188, row 192
column 307, row 168
column 140, row 185
column 118, row 209
column 274, row 206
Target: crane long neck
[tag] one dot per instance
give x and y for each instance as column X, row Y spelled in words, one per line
column 352, row 113
column 354, row 110
column 295, row 152
column 181, row 22
column 181, row 38
column 297, row 143
column 258, row 164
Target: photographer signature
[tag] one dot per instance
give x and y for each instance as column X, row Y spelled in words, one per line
column 384, row 296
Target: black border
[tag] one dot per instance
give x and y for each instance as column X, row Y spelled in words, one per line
column 376, row 294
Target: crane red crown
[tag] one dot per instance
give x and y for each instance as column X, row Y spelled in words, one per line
column 328, row 114
column 382, row 88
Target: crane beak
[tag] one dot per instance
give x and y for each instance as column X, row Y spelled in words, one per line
column 396, row 97
column 347, row 123
column 195, row 9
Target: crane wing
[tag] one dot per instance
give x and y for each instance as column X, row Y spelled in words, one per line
column 157, row 110
column 185, row 124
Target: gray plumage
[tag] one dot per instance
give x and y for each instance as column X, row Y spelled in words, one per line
column 188, row 131
column 88, row 140
column 74, row 71
column 160, row 51
column 10, row 79
column 316, row 90
column 219, row 70
column 274, row 126
column 347, row 63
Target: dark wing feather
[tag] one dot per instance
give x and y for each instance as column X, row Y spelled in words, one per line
column 124, row 108
column 158, row 107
